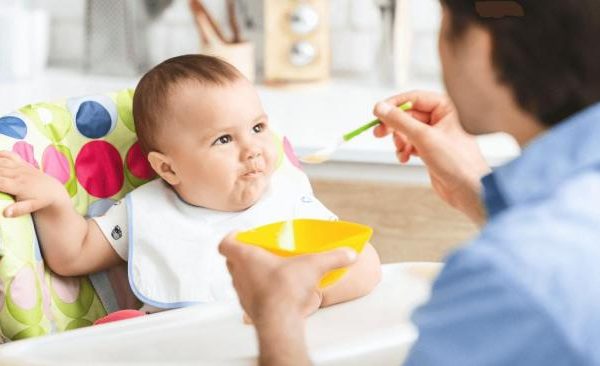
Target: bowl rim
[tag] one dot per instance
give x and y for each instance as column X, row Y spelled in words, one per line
column 368, row 231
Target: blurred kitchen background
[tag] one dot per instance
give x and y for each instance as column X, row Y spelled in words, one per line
column 319, row 65
column 167, row 28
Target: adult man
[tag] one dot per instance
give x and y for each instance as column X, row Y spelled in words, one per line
column 525, row 291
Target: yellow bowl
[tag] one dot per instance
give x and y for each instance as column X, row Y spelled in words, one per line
column 310, row 236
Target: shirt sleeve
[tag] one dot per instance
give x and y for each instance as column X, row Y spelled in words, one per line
column 478, row 314
column 113, row 225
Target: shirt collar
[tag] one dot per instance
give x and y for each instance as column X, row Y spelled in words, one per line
column 559, row 153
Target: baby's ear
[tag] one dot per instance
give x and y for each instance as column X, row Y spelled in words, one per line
column 163, row 166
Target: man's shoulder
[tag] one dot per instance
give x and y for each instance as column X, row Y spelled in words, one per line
column 571, row 213
column 508, row 293
column 482, row 312
column 548, row 253
column 551, row 242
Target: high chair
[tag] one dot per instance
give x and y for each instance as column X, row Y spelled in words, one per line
column 89, row 144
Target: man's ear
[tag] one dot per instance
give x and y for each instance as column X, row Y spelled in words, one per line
column 163, row 166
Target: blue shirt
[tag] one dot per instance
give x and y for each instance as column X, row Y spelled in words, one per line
column 526, row 291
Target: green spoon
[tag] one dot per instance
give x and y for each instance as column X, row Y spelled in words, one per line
column 325, row 153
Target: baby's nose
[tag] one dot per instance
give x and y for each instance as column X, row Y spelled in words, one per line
column 253, row 155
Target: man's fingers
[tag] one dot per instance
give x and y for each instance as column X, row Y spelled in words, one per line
column 22, row 208
column 424, row 101
column 229, row 265
column 229, row 245
column 235, row 251
column 400, row 141
column 421, row 116
column 406, row 153
column 381, row 130
column 334, row 259
column 398, row 120
column 247, row 319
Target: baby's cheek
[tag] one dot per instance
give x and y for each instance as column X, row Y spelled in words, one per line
column 273, row 156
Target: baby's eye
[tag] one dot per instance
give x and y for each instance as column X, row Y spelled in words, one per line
column 225, row 139
column 259, row 128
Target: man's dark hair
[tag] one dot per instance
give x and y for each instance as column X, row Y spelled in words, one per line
column 549, row 55
column 151, row 97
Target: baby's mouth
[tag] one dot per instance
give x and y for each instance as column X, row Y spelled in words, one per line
column 252, row 173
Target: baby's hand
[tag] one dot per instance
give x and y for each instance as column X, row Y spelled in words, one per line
column 33, row 190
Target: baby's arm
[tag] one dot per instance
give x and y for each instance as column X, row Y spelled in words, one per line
column 360, row 279
column 71, row 244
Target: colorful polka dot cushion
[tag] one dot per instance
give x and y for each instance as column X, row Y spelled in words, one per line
column 88, row 144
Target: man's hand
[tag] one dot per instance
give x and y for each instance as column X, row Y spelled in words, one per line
column 432, row 131
column 267, row 283
column 276, row 292
column 33, row 190
column 312, row 306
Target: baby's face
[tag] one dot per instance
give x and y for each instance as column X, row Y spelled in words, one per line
column 221, row 147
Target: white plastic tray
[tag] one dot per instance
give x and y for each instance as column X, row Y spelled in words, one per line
column 373, row 330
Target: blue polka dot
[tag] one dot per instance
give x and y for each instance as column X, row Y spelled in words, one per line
column 100, row 207
column 36, row 248
column 93, row 120
column 13, row 127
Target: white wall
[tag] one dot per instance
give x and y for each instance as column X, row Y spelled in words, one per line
column 354, row 26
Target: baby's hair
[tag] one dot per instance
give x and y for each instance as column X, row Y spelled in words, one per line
column 151, row 97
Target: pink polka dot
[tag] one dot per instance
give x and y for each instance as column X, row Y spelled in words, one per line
column 25, row 151
column 23, row 290
column 54, row 163
column 99, row 169
column 137, row 163
column 289, row 152
column 66, row 288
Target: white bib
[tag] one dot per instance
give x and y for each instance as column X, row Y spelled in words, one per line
column 173, row 256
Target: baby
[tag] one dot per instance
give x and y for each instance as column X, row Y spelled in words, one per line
column 221, row 168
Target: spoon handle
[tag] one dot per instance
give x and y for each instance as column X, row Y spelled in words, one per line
column 350, row 135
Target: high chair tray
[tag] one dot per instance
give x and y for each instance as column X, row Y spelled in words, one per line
column 374, row 330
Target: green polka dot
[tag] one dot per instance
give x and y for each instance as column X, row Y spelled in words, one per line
column 30, row 332
column 124, row 108
column 78, row 323
column 52, row 120
column 16, row 236
column 83, row 303
column 6, row 197
column 31, row 316
column 97, row 310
